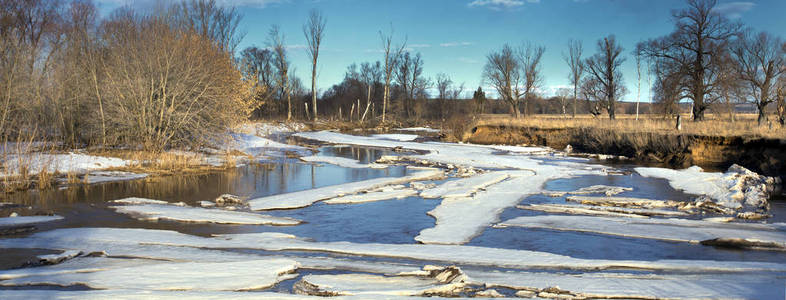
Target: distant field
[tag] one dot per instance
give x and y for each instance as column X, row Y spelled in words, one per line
column 715, row 125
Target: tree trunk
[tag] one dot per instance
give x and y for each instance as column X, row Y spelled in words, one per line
column 385, row 101
column 575, row 100
column 314, row 89
column 762, row 117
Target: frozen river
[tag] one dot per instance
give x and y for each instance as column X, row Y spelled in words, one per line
column 361, row 220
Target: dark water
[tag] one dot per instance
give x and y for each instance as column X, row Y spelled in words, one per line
column 392, row 221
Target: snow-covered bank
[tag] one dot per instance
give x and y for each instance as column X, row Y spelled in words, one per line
column 308, row 197
column 153, row 210
column 61, row 163
column 737, row 188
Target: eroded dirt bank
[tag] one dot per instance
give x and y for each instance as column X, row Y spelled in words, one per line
column 762, row 155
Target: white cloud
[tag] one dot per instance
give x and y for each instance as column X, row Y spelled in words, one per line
column 419, row 46
column 467, row 60
column 498, row 4
column 734, row 10
column 454, row 44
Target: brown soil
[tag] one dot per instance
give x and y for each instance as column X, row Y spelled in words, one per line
column 762, row 155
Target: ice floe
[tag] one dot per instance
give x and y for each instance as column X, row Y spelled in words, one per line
column 595, row 189
column 308, row 197
column 422, row 129
column 397, row 137
column 373, row 196
column 342, row 162
column 478, row 156
column 627, row 286
column 365, row 284
column 623, row 201
column 737, row 188
column 98, row 239
column 458, row 219
column 602, row 210
column 198, row 276
column 258, row 146
column 681, row 230
column 464, row 187
column 28, row 220
column 153, row 210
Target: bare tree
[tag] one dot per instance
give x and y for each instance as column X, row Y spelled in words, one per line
column 576, row 64
column 167, row 87
column 604, row 68
column 276, row 42
column 502, row 70
column 593, row 91
column 700, row 35
column 314, row 30
column 257, row 67
column 409, row 77
column 530, row 56
column 666, row 90
column 479, row 96
column 760, row 62
column 370, row 75
column 212, row 21
column 443, row 84
column 563, row 95
column 391, row 59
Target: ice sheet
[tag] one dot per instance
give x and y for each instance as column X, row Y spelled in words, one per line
column 681, row 230
column 737, row 188
column 22, row 221
column 198, row 276
column 602, row 210
column 464, row 187
column 397, row 137
column 342, row 162
column 140, row 240
column 373, row 196
column 308, row 197
column 153, row 211
column 460, row 219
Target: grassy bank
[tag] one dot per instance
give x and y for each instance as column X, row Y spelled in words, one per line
column 716, row 143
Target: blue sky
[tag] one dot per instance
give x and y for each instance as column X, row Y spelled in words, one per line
column 454, row 36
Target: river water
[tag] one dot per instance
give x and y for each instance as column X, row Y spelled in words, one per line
column 395, row 221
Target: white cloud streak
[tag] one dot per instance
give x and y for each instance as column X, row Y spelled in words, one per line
column 455, row 44
column 734, row 10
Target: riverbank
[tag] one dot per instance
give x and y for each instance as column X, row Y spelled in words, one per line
column 43, row 165
column 714, row 144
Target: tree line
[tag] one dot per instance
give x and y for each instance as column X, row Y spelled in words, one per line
column 707, row 59
column 172, row 77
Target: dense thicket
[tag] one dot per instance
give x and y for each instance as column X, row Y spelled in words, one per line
column 161, row 80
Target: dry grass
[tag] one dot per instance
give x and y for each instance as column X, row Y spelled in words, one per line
column 745, row 124
column 165, row 163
